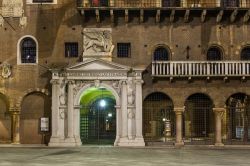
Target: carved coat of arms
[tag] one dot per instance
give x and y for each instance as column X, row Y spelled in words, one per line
column 6, row 70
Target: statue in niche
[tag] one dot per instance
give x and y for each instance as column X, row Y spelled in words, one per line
column 62, row 96
column 131, row 91
column 97, row 40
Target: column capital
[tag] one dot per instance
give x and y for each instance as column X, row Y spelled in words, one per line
column 179, row 109
column 219, row 111
column 54, row 81
column 139, row 81
column 71, row 82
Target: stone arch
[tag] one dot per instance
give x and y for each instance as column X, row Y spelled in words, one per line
column 34, row 105
column 29, row 91
column 19, row 48
column 108, row 87
column 219, row 48
column 245, row 48
column 5, row 119
column 199, row 118
column 168, row 48
column 157, row 110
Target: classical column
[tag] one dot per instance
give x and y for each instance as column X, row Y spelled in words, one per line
column 77, row 125
column 218, row 118
column 124, row 110
column 178, row 119
column 55, row 111
column 118, row 125
column 70, row 113
column 138, row 115
column 16, row 125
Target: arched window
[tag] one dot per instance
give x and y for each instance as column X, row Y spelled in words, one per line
column 161, row 54
column 28, row 50
column 245, row 54
column 214, row 54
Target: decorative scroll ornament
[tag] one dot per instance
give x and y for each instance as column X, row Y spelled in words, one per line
column 6, row 70
column 1, row 21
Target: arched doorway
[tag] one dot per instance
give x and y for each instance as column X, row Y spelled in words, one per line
column 34, row 106
column 97, row 116
column 5, row 120
column 237, row 119
column 158, row 118
column 199, row 120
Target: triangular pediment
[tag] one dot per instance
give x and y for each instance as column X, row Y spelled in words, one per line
column 97, row 64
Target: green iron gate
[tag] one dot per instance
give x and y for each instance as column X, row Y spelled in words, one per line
column 98, row 122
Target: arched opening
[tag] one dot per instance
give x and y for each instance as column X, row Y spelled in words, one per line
column 214, row 53
column 245, row 54
column 161, row 54
column 199, row 119
column 97, row 116
column 5, row 120
column 158, row 118
column 34, row 106
column 171, row 3
column 230, row 3
column 237, row 119
column 28, row 50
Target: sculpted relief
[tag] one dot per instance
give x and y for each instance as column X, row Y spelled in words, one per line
column 97, row 41
column 12, row 8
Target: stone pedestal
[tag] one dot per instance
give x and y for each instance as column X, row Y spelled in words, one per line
column 179, row 115
column 218, row 118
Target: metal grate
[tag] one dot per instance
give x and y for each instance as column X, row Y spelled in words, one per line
column 98, row 124
column 71, row 49
column 198, row 120
column 214, row 54
column 123, row 50
column 28, row 50
column 158, row 119
column 42, row 1
column 161, row 54
column 245, row 53
column 236, row 122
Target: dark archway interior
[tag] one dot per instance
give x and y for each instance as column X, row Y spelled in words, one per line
column 214, row 54
column 238, row 118
column 199, row 118
column 161, row 54
column 157, row 111
column 34, row 106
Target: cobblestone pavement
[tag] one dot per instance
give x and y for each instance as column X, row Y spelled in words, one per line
column 102, row 156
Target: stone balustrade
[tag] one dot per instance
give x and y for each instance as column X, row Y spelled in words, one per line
column 200, row 68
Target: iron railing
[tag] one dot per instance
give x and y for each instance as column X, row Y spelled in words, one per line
column 200, row 68
column 163, row 3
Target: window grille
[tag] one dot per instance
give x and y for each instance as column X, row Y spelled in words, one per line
column 28, row 50
column 42, row 1
column 214, row 54
column 245, row 53
column 123, row 50
column 161, row 54
column 71, row 49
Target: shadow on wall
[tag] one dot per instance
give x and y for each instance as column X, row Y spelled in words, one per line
column 5, row 121
column 49, row 21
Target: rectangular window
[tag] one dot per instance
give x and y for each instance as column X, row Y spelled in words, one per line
column 71, row 49
column 42, row 1
column 123, row 50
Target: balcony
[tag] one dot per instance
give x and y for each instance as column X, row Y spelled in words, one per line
column 206, row 69
column 116, row 4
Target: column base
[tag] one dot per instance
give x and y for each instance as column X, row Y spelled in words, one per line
column 219, row 144
column 68, row 142
column 125, row 142
column 179, row 144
